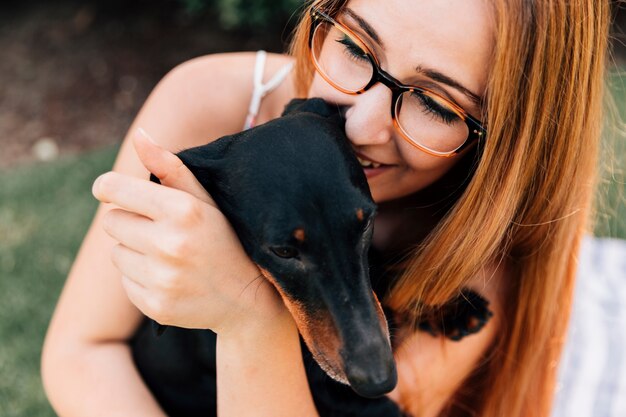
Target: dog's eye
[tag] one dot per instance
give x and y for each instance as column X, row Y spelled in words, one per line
column 285, row 251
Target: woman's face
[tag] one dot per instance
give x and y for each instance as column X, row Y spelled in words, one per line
column 415, row 38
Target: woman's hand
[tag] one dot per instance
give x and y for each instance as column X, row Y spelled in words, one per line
column 182, row 263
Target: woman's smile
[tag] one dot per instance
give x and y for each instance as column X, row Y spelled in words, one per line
column 371, row 166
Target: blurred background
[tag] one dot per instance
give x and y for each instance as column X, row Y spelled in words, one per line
column 73, row 75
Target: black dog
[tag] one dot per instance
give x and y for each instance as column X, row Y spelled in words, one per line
column 298, row 200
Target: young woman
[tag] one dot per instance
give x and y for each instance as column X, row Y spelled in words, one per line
column 484, row 118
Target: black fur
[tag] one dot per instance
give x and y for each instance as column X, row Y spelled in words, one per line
column 299, row 171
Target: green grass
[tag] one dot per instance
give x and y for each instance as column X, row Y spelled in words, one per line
column 45, row 210
column 44, row 213
column 611, row 215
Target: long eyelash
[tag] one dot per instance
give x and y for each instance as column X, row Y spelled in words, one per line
column 353, row 51
column 430, row 107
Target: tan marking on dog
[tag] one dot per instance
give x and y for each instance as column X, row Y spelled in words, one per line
column 318, row 333
column 299, row 234
column 359, row 214
column 381, row 316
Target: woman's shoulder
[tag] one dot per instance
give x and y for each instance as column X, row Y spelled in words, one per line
column 209, row 96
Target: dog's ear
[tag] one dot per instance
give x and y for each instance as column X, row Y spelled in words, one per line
column 207, row 155
column 207, row 161
column 203, row 161
column 312, row 105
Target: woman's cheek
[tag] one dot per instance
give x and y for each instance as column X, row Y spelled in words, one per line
column 320, row 88
column 418, row 169
column 406, row 179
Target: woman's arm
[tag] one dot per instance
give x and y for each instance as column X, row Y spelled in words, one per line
column 260, row 372
column 87, row 368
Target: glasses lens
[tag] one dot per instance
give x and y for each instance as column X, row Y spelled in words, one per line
column 425, row 119
column 340, row 58
column 430, row 122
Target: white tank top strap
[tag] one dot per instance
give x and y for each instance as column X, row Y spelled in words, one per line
column 261, row 90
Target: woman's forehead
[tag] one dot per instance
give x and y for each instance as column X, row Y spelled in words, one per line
column 454, row 38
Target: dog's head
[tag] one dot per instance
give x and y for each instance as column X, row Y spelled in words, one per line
column 299, row 201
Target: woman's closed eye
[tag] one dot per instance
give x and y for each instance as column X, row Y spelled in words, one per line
column 352, row 50
column 430, row 107
column 427, row 105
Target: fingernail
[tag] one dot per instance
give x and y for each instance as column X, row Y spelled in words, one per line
column 96, row 185
column 146, row 135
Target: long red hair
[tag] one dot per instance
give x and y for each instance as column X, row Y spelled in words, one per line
column 530, row 199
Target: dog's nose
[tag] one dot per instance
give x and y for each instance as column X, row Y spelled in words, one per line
column 368, row 360
column 372, row 378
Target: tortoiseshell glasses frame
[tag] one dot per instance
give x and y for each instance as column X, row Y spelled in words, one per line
column 475, row 128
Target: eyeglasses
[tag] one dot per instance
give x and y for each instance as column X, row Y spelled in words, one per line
column 424, row 118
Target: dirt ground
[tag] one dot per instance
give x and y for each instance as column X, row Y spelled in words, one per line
column 74, row 73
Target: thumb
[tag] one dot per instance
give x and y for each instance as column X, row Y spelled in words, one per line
column 167, row 167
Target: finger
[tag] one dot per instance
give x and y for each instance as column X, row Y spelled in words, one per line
column 132, row 230
column 136, row 294
column 167, row 167
column 144, row 297
column 133, row 265
column 141, row 196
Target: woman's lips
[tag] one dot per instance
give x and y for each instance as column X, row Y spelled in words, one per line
column 372, row 172
column 370, row 166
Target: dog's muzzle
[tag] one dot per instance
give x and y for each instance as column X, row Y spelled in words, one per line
column 349, row 339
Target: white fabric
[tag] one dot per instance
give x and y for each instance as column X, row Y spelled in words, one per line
column 592, row 375
column 261, row 90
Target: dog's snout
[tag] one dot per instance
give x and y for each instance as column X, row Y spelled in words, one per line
column 366, row 352
column 371, row 373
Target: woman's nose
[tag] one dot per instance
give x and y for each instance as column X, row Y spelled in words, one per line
column 368, row 120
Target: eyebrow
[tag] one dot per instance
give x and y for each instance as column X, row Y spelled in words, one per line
column 365, row 26
column 442, row 78
column 431, row 73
